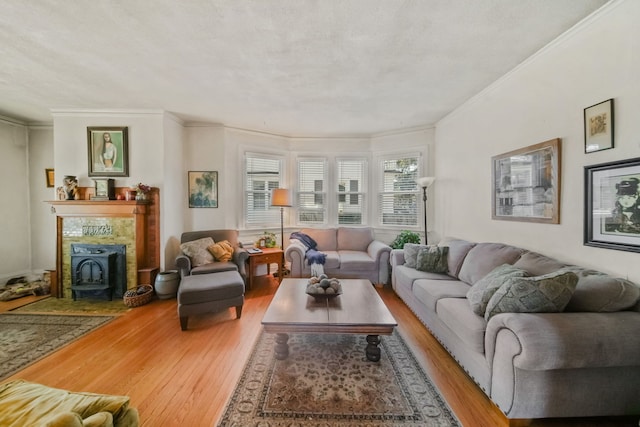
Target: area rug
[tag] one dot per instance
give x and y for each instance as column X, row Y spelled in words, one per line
column 66, row 305
column 27, row 338
column 327, row 381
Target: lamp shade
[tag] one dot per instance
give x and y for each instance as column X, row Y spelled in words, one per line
column 281, row 197
column 425, row 181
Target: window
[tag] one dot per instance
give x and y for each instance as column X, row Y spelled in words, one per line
column 263, row 173
column 397, row 200
column 312, row 178
column 351, row 185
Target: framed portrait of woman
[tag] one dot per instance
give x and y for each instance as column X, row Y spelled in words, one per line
column 107, row 149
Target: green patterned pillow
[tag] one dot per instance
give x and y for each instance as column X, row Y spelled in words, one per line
column 549, row 293
column 411, row 254
column 433, row 259
column 481, row 292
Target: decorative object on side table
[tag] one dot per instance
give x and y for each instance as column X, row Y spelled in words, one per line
column 598, row 127
column 323, row 287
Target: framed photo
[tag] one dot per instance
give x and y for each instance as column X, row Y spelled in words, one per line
column 612, row 208
column 108, row 151
column 598, row 127
column 203, row 189
column 50, row 177
column 526, row 184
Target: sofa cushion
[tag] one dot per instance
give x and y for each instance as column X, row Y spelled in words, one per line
column 356, row 260
column 354, row 239
column 408, row 275
column 462, row 321
column 221, row 251
column 537, row 264
column 332, row 260
column 214, row 267
column 484, row 257
column 433, row 259
column 197, row 251
column 481, row 292
column 326, row 238
column 599, row 292
column 549, row 293
column 25, row 403
column 458, row 250
column 411, row 254
column 429, row 291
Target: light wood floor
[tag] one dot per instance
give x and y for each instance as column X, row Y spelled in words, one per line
column 178, row 378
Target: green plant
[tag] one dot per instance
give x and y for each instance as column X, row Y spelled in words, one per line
column 405, row 236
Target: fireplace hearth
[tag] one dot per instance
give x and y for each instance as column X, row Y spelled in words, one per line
column 98, row 271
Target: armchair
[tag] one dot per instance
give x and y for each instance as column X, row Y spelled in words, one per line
column 194, row 264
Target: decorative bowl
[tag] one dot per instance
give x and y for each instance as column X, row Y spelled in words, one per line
column 317, row 287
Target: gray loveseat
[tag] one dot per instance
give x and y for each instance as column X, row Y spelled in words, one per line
column 352, row 253
column 582, row 361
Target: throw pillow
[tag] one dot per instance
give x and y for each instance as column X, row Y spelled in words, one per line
column 197, row 251
column 481, row 292
column 411, row 254
column 221, row 251
column 549, row 293
column 433, row 259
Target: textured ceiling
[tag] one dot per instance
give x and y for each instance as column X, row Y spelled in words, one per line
column 291, row 67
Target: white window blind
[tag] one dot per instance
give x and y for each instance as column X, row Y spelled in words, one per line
column 397, row 200
column 312, row 187
column 262, row 174
column 350, row 192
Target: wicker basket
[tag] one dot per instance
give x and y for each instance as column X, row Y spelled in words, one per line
column 139, row 296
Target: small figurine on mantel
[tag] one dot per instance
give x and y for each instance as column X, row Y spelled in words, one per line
column 69, row 189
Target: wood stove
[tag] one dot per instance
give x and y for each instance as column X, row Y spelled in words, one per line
column 98, row 270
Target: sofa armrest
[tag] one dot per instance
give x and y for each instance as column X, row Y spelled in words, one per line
column 397, row 257
column 240, row 258
column 183, row 263
column 545, row 341
column 380, row 252
column 294, row 255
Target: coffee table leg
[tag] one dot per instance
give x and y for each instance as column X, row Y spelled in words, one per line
column 282, row 347
column 372, row 350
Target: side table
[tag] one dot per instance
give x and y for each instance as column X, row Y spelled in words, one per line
column 267, row 256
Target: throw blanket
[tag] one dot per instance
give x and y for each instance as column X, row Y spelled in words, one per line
column 314, row 258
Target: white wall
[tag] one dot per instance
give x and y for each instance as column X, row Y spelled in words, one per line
column 543, row 99
column 15, row 254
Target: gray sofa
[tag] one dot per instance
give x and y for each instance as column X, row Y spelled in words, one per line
column 582, row 361
column 352, row 252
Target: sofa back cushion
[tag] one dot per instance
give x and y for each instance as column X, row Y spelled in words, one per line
column 484, row 257
column 599, row 292
column 326, row 238
column 536, row 264
column 354, row 239
column 458, row 250
column 217, row 235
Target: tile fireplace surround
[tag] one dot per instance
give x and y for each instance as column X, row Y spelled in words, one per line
column 134, row 224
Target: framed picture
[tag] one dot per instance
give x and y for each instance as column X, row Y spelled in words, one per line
column 598, row 127
column 50, row 177
column 108, row 151
column 203, row 189
column 526, row 184
column 612, row 208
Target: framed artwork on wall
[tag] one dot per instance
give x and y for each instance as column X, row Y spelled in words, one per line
column 526, row 184
column 108, row 151
column 612, row 208
column 50, row 177
column 203, row 189
column 598, row 127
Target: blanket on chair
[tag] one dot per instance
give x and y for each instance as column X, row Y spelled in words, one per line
column 314, row 258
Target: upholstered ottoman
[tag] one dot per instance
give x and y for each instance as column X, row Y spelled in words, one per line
column 207, row 293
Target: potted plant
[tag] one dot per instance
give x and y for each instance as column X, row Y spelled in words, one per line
column 405, row 236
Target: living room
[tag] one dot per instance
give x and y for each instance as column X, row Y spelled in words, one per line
column 542, row 98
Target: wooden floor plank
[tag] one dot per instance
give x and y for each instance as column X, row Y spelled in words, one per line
column 185, row 378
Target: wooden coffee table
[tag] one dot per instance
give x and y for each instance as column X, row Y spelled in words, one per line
column 359, row 310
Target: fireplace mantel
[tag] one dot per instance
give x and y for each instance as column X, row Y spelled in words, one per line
column 137, row 223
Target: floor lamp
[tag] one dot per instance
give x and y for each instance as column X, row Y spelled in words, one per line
column 281, row 197
column 425, row 182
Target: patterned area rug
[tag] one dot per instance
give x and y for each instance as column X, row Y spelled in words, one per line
column 26, row 338
column 327, row 381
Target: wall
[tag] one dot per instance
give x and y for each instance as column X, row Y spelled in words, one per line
column 14, row 210
column 542, row 99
